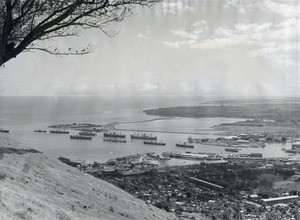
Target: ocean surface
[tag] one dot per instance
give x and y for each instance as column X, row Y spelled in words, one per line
column 21, row 115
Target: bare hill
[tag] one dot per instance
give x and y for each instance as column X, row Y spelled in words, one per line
column 34, row 186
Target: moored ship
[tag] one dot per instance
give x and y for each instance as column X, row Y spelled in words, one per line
column 40, row 131
column 143, row 137
column 185, row 144
column 115, row 140
column 114, row 135
column 232, row 149
column 80, row 137
column 152, row 142
column 85, row 133
column 4, row 130
column 59, row 132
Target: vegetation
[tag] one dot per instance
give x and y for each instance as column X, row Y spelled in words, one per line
column 10, row 150
column 69, row 162
column 280, row 113
column 24, row 24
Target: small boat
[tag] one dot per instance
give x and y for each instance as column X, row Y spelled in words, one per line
column 114, row 135
column 232, row 149
column 40, row 131
column 185, row 144
column 143, row 137
column 59, row 132
column 154, row 143
column 115, row 140
column 80, row 137
column 85, row 133
column 4, row 130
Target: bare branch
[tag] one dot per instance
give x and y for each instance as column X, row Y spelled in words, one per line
column 23, row 22
column 56, row 52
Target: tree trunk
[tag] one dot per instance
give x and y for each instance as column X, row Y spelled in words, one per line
column 1, row 31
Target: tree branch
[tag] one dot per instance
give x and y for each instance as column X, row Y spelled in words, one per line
column 26, row 21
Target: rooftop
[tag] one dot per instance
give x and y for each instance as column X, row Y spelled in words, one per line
column 280, row 198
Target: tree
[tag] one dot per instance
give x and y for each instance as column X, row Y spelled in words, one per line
column 24, row 24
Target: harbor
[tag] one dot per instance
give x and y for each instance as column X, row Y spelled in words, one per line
column 266, row 144
column 150, row 110
column 203, row 178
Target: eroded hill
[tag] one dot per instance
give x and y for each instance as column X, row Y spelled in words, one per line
column 34, row 186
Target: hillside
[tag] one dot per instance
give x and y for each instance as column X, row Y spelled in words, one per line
column 35, row 186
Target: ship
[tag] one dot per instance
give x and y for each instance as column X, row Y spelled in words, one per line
column 190, row 140
column 115, row 140
column 114, row 135
column 40, row 131
column 59, row 132
column 152, row 142
column 4, row 130
column 100, row 130
column 185, row 144
column 86, row 133
column 143, row 137
column 80, row 137
column 232, row 149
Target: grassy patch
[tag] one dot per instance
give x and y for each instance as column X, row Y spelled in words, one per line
column 10, row 150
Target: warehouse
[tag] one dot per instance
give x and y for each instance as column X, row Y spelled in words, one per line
column 283, row 199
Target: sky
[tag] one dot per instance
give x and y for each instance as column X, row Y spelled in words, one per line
column 175, row 48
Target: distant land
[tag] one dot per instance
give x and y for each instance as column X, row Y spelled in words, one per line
column 279, row 112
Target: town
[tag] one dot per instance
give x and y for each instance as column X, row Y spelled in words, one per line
column 218, row 187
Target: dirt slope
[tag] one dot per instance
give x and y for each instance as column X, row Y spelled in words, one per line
column 35, row 186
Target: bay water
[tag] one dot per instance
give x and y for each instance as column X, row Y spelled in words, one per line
column 21, row 115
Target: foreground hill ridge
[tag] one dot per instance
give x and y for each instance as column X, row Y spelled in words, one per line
column 35, row 186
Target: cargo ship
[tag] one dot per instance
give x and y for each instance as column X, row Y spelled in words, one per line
column 85, row 133
column 4, row 131
column 40, row 131
column 59, row 132
column 185, row 144
column 114, row 135
column 143, row 137
column 232, row 149
column 154, row 143
column 80, row 137
column 115, row 140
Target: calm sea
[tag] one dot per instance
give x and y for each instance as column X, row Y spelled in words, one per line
column 21, row 115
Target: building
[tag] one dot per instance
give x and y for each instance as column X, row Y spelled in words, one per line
column 194, row 156
column 256, row 155
column 296, row 145
column 243, row 141
column 283, row 199
column 205, row 183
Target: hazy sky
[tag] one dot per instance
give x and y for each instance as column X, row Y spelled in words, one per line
column 178, row 47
